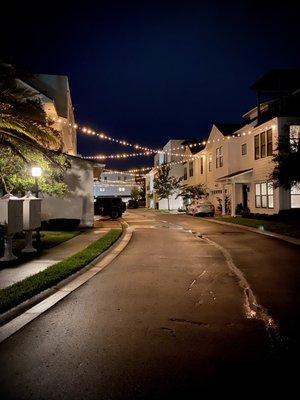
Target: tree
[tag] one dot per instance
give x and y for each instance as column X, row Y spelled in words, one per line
column 16, row 174
column 26, row 137
column 193, row 191
column 135, row 193
column 287, row 161
column 164, row 184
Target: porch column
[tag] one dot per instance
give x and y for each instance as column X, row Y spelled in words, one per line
column 233, row 205
column 223, row 200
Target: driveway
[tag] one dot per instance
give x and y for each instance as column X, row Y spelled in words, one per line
column 188, row 309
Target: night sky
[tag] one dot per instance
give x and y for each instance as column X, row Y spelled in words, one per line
column 151, row 71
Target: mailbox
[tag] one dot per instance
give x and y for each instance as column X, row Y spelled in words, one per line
column 11, row 217
column 31, row 212
column 11, row 213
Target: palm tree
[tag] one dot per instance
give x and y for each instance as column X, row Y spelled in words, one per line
column 23, row 122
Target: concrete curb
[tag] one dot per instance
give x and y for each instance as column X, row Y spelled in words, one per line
column 61, row 291
column 255, row 230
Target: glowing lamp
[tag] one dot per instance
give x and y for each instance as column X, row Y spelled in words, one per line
column 36, row 172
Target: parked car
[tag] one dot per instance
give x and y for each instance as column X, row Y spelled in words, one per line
column 133, row 204
column 109, row 206
column 201, row 207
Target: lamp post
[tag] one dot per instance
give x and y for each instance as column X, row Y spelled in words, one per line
column 36, row 172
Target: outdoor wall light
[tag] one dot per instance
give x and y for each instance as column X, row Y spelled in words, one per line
column 36, row 172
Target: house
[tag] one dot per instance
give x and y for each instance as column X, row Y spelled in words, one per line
column 116, row 184
column 171, row 154
column 236, row 162
column 54, row 93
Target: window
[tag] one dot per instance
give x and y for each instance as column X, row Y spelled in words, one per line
column 185, row 173
column 105, row 178
column 295, row 196
column 191, row 168
column 244, row 149
column 101, row 189
column 219, row 157
column 209, row 162
column 201, row 165
column 269, row 142
column 264, row 195
column 263, row 144
column 256, row 147
column 125, row 177
column 121, row 189
column 294, row 137
column 119, row 178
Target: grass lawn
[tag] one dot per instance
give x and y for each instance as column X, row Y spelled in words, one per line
column 289, row 228
column 48, row 239
column 28, row 287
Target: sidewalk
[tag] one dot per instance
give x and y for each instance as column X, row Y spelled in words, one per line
column 11, row 275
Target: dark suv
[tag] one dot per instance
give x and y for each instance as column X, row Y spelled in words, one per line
column 109, row 206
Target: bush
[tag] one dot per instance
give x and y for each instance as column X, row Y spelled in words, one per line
column 289, row 215
column 60, row 224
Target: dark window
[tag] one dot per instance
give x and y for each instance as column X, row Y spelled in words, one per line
column 191, row 168
column 185, row 173
column 244, row 149
column 209, row 162
column 201, row 165
column 256, row 147
column 263, row 144
column 269, row 142
column 219, row 157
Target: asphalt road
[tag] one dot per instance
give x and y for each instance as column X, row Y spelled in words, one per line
column 189, row 308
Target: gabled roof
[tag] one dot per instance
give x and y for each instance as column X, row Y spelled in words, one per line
column 228, row 128
column 195, row 145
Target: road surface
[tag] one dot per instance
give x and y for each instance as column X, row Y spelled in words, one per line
column 189, row 308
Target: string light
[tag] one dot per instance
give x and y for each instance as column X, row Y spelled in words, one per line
column 151, row 151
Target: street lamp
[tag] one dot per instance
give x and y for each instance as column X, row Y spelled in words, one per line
column 36, row 173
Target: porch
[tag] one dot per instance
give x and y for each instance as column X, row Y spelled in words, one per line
column 238, row 183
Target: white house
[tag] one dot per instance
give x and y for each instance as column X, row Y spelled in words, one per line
column 237, row 160
column 116, row 184
column 171, row 154
column 78, row 203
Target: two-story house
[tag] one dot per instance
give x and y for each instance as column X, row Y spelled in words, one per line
column 237, row 160
column 172, row 155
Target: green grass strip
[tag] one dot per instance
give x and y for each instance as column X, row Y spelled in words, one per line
column 28, row 287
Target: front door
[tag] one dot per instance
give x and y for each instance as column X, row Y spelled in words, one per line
column 245, row 196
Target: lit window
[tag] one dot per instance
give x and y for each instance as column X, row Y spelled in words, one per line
column 294, row 137
column 264, row 195
column 121, row 189
column 295, row 196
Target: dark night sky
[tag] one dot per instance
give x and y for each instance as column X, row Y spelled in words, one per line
column 150, row 71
